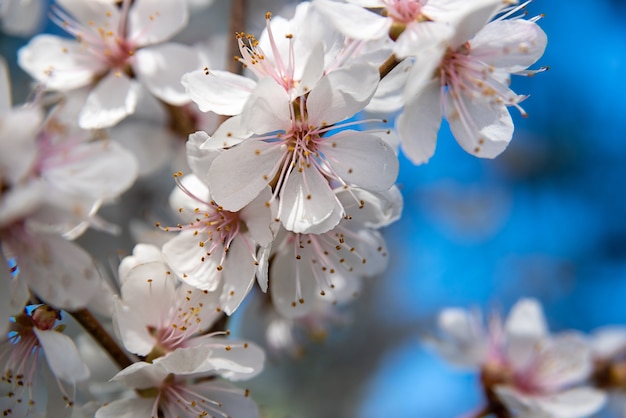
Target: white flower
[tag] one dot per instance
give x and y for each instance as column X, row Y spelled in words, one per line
column 216, row 250
column 471, row 87
column 330, row 266
column 412, row 24
column 294, row 149
column 530, row 372
column 112, row 47
column 33, row 337
column 170, row 395
column 294, row 53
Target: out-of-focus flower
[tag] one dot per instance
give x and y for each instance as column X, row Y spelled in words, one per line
column 21, row 17
column 114, row 47
column 170, row 395
column 523, row 368
column 216, row 250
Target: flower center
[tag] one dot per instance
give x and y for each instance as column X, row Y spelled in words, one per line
column 404, row 11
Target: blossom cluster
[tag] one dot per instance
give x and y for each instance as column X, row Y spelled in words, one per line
column 287, row 189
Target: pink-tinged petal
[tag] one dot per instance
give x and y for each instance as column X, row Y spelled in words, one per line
column 525, row 329
column 103, row 13
column 58, row 271
column 481, row 128
column 132, row 329
column 389, row 97
column 573, row 403
column 218, row 91
column 341, row 94
column 100, row 170
column 185, row 256
column 419, row 124
column 199, row 159
column 464, row 342
column 141, row 375
column 423, row 71
column 185, row 204
column 154, row 68
column 526, row 320
column 126, row 408
column 353, row 20
column 472, row 17
column 18, row 140
column 147, row 288
column 239, row 272
column 419, row 36
column 293, row 286
column 234, row 360
column 5, row 88
column 608, row 341
column 352, row 154
column 240, row 173
column 59, row 63
column 307, row 203
column 229, row 133
column 561, row 362
column 154, row 21
column 114, row 98
column 258, row 218
column 142, row 254
column 512, row 45
column 62, row 356
column 21, row 202
column 267, row 109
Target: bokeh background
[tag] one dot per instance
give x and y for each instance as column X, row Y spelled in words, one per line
column 547, row 219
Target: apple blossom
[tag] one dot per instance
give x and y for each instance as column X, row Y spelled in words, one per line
column 523, row 368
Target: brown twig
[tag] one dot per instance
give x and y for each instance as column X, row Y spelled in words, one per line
column 388, row 65
column 97, row 331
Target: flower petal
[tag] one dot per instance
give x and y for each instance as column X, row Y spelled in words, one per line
column 307, row 203
column 218, row 91
column 99, row 170
column 419, row 124
column 191, row 262
column 154, row 68
column 354, row 21
column 62, row 356
column 352, row 154
column 57, row 62
column 58, row 271
column 240, row 173
column 238, row 275
column 341, row 94
column 126, row 408
column 154, row 21
column 293, row 286
column 512, row 45
column 114, row 98
column 481, row 128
